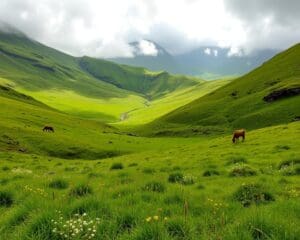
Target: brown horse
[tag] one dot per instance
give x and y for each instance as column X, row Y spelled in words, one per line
column 48, row 129
column 239, row 133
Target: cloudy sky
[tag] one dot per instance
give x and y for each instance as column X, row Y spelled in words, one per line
column 103, row 28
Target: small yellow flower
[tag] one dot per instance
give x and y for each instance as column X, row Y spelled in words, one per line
column 165, row 218
column 156, row 218
column 148, row 219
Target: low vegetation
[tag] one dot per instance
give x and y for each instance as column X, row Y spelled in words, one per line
column 90, row 180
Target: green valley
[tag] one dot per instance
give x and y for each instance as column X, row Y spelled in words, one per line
column 142, row 155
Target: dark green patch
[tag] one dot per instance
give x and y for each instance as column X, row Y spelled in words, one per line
column 252, row 194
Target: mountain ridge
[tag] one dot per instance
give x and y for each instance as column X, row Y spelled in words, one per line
column 242, row 103
column 209, row 62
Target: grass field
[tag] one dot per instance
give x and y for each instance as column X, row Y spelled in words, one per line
column 151, row 194
column 100, row 175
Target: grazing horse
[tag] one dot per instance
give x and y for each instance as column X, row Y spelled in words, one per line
column 48, row 129
column 238, row 133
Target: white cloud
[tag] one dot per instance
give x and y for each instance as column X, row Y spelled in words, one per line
column 235, row 51
column 147, row 48
column 105, row 27
column 207, row 51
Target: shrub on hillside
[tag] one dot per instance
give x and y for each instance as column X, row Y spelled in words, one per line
column 252, row 194
column 148, row 170
column 6, row 199
column 5, row 168
column 132, row 164
column 154, row 187
column 188, row 180
column 175, row 177
column 209, row 173
column 116, row 166
column 292, row 170
column 58, row 184
column 236, row 159
column 242, row 171
column 290, row 167
column 81, row 190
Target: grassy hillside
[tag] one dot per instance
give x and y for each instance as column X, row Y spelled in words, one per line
column 22, row 120
column 169, row 102
column 90, row 180
column 241, row 104
column 207, row 189
column 86, row 87
column 150, row 84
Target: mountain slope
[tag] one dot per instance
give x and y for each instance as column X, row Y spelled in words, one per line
column 208, row 62
column 267, row 96
column 215, row 61
column 86, row 87
column 159, row 60
column 140, row 80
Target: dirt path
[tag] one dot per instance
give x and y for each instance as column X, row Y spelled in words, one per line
column 125, row 115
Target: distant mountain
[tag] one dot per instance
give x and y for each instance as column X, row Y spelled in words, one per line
column 207, row 61
column 266, row 96
column 221, row 61
column 150, row 55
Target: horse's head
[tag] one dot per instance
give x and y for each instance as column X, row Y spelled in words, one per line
column 233, row 140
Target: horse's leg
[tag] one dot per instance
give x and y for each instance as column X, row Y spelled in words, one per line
column 243, row 137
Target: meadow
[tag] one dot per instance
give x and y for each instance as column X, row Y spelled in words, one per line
column 198, row 189
column 145, row 155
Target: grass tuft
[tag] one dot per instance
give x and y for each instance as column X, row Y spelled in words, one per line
column 252, row 194
column 59, row 184
column 242, row 171
column 178, row 229
column 116, row 166
column 175, row 177
column 154, row 186
column 209, row 173
column 81, row 190
column 6, row 199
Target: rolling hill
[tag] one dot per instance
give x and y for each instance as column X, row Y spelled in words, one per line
column 93, row 180
column 86, row 87
column 267, row 96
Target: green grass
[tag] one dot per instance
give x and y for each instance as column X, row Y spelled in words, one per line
column 91, row 180
column 133, row 205
column 171, row 101
column 240, row 103
column 87, row 87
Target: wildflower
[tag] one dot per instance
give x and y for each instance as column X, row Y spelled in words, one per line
column 148, row 219
column 165, row 218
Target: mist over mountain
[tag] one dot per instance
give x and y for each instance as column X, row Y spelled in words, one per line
column 207, row 61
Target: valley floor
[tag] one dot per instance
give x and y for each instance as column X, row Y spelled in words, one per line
column 193, row 188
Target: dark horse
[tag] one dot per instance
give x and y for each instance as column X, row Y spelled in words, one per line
column 238, row 133
column 48, row 129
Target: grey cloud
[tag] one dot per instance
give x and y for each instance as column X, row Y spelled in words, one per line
column 267, row 23
column 53, row 22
